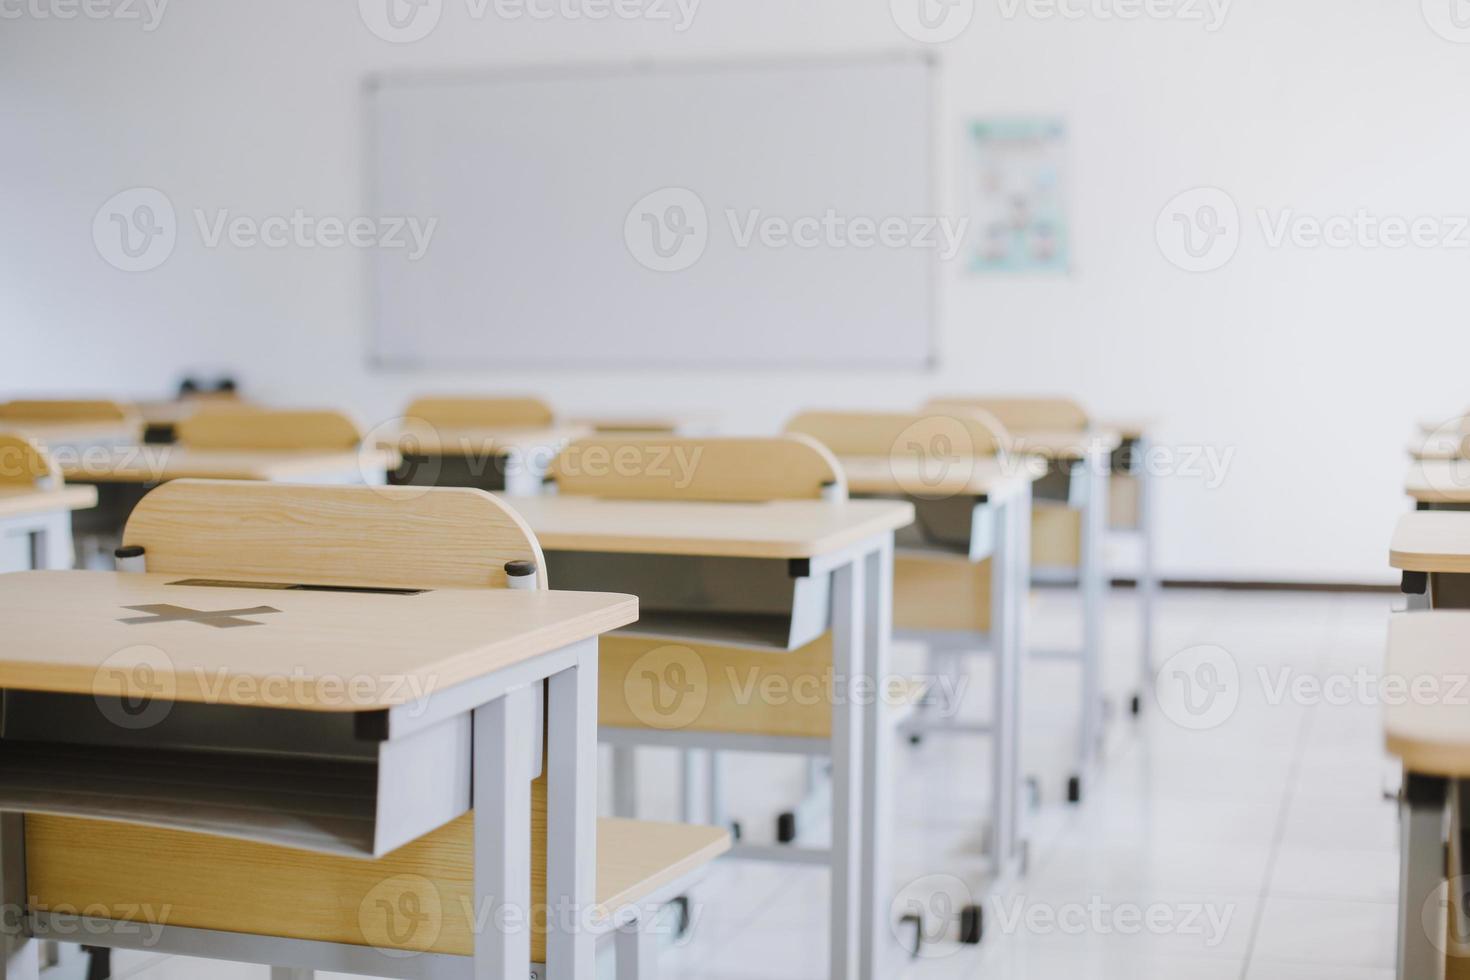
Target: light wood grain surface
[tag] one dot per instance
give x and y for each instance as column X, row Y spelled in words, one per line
column 67, row 634
column 1439, row 481
column 990, row 476
column 21, row 501
column 944, row 434
column 23, row 463
column 481, row 411
column 482, row 442
column 156, row 464
column 270, row 429
column 394, row 537
column 1431, row 541
column 776, row 529
column 1429, row 726
column 65, row 410
column 731, row 468
column 54, row 435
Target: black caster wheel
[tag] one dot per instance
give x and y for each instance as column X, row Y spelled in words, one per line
column 786, row 827
column 1136, row 705
column 736, row 831
column 916, row 739
column 917, row 921
column 1074, row 789
column 99, row 962
column 682, row 904
column 972, row 924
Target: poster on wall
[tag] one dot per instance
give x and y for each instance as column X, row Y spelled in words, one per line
column 1017, row 196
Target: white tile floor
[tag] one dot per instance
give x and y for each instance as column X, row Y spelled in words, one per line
column 1261, row 849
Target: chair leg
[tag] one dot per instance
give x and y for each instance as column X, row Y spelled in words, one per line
column 1421, row 872
column 636, row 949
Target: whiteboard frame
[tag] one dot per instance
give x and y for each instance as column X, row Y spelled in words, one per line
column 374, row 80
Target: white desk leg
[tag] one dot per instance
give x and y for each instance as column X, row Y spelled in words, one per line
column 1009, row 575
column 51, row 547
column 625, row 781
column 636, row 947
column 688, row 780
column 1020, row 579
column 875, row 933
column 21, row 959
column 571, row 817
column 1421, row 872
column 503, row 761
column 291, row 973
column 1094, row 522
column 848, row 625
column 715, row 788
column 1148, row 581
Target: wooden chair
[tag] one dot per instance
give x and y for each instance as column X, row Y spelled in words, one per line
column 230, row 428
column 23, row 463
column 481, row 412
column 1022, row 414
column 36, row 504
column 64, row 410
column 350, row 537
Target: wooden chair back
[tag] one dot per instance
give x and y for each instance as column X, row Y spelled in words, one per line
column 372, row 537
column 715, row 468
column 950, row 432
column 64, row 410
column 237, row 428
column 1022, row 414
column 486, row 412
column 23, row 463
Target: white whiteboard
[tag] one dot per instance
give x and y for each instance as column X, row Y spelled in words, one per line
column 534, row 177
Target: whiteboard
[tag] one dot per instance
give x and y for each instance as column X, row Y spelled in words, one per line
column 626, row 217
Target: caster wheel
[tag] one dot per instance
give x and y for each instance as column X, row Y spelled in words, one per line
column 786, row 827
column 682, row 904
column 916, row 739
column 1074, row 789
column 972, row 924
column 917, row 921
column 99, row 963
column 1136, row 705
column 736, row 831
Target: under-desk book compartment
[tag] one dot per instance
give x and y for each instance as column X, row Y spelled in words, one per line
column 318, row 781
column 763, row 603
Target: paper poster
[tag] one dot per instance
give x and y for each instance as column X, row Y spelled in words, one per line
column 1017, row 196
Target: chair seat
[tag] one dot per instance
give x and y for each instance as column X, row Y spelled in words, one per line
column 1426, row 716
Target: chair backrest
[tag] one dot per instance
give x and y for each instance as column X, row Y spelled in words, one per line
column 728, row 468
column 948, row 432
column 488, row 412
column 373, row 537
column 64, row 410
column 1022, row 414
column 240, row 428
column 23, row 463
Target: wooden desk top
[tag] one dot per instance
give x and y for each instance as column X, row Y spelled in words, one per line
column 322, row 651
column 776, row 529
column 641, row 423
column 1066, row 445
column 1433, row 481
column 475, row 442
column 986, row 476
column 155, row 464
column 1426, row 723
column 57, row 434
column 17, row 501
column 1431, row 541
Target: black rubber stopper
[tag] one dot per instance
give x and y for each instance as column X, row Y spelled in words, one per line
column 520, row 568
column 128, row 551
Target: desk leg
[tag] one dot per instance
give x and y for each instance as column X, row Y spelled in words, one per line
column 1148, row 580
column 625, row 781
column 1010, row 577
column 503, row 759
column 291, row 973
column 848, row 627
column 1094, row 521
column 875, row 894
column 635, row 946
column 571, row 818
column 1421, row 872
column 22, row 960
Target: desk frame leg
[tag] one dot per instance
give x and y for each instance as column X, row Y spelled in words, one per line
column 1090, row 571
column 571, row 817
column 1148, row 576
column 635, row 946
column 688, row 781
column 625, row 782
column 503, row 762
column 1421, row 873
column 291, row 973
column 874, row 897
column 848, row 629
column 714, row 786
column 1012, row 558
column 22, row 953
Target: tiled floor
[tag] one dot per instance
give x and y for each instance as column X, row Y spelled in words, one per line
column 1258, row 849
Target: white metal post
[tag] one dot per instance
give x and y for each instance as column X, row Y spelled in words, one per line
column 571, row 817
column 503, row 759
column 847, row 756
column 874, row 930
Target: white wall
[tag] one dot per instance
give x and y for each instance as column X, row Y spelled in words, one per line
column 1310, row 364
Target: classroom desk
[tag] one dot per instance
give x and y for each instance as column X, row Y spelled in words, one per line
column 426, row 688
column 650, row 423
column 65, row 439
column 123, row 475
column 513, row 460
column 1432, row 549
column 692, row 564
column 970, row 511
column 43, row 516
column 1439, row 484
